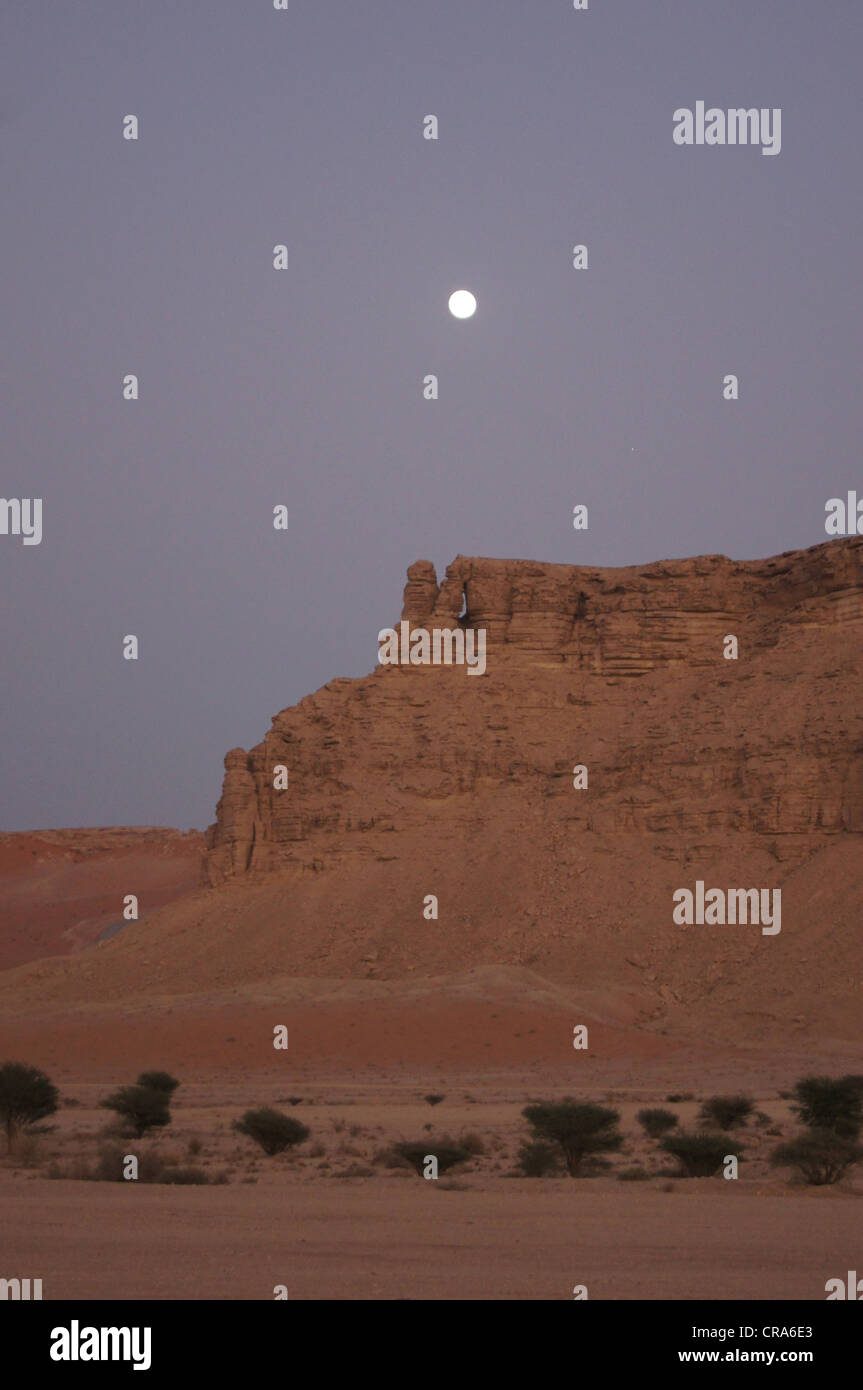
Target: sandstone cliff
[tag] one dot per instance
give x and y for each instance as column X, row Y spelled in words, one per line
column 621, row 670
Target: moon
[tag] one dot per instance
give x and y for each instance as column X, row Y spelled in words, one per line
column 462, row 304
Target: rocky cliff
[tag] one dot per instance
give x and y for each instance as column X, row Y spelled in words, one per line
column 619, row 670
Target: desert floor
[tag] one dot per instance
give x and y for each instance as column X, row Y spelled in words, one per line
column 333, row 1219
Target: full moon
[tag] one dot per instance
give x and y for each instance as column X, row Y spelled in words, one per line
column 462, row 304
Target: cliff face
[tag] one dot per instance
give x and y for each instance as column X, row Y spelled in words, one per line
column 619, row 670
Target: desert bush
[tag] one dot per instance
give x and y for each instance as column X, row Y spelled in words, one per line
column 537, row 1158
column 726, row 1112
column 830, row 1103
column 433, row 1099
column 822, row 1156
column 656, row 1122
column 473, row 1143
column 158, row 1081
column 140, row 1107
column 416, row 1154
column 194, row 1147
column 581, row 1129
column 272, row 1130
column 632, row 1174
column 26, row 1095
column 110, row 1162
column 700, row 1155
column 679, row 1098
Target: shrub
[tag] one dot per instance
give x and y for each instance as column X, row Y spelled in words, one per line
column 700, row 1155
column 677, row 1099
column 580, row 1128
column 194, row 1147
column 140, row 1107
column 416, row 1154
column 822, row 1157
column 830, row 1103
column 473, row 1143
column 433, row 1099
column 158, row 1081
column 632, row 1175
column 272, row 1130
column 26, row 1095
column 726, row 1112
column 537, row 1158
column 656, row 1122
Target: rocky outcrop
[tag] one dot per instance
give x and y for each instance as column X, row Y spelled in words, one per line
column 619, row 670
column 629, row 621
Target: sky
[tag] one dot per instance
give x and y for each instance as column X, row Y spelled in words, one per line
column 304, row 387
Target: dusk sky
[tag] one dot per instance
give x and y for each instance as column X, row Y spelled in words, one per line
column 305, row 386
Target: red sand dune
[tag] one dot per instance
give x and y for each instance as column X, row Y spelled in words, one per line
column 59, row 889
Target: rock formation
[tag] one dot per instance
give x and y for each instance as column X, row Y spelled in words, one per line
column 433, row 826
column 621, row 670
